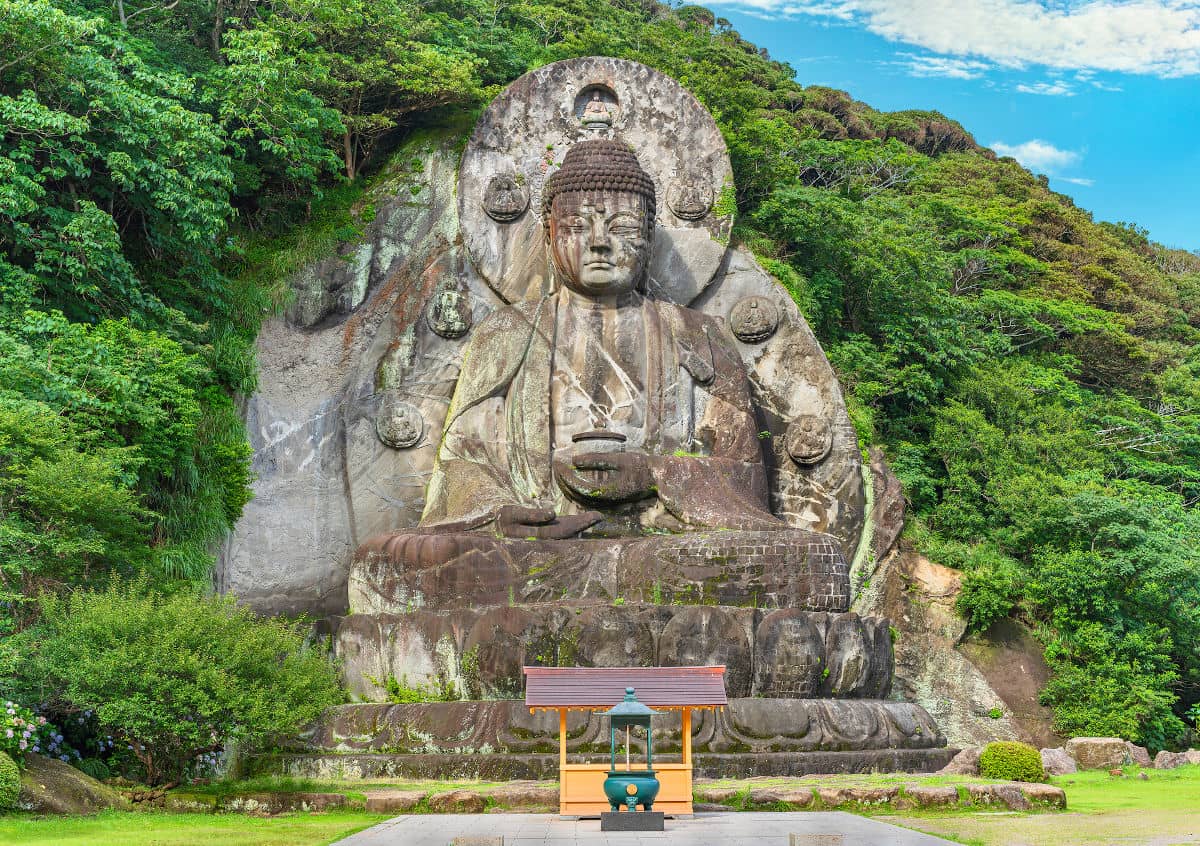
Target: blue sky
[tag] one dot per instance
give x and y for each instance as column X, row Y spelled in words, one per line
column 1103, row 96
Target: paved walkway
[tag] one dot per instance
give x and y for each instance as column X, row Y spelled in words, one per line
column 718, row 829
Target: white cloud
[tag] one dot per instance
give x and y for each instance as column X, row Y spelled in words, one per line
column 1050, row 89
column 1077, row 180
column 1038, row 155
column 924, row 65
column 1160, row 37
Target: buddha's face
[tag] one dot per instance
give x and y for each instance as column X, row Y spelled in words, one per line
column 600, row 242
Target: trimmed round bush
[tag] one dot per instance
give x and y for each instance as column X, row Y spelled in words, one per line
column 10, row 782
column 1011, row 761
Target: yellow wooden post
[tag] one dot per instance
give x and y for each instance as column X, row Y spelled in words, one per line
column 687, row 737
column 562, row 738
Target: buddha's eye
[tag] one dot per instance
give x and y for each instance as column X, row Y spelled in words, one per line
column 574, row 224
column 625, row 226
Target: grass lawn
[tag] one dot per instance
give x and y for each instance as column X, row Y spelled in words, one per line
column 1163, row 810
column 137, row 828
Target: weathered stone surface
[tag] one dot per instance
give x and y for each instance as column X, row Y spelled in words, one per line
column 1008, row 795
column 752, row 724
column 979, row 688
column 457, row 802
column 873, row 795
column 1165, row 760
column 393, row 801
column 499, row 767
column 716, row 795
column 1058, row 762
column 1044, row 794
column 932, row 797
column 1097, row 753
column 887, row 505
column 965, row 762
column 773, row 796
column 783, row 653
column 1138, row 755
column 270, row 804
column 49, row 786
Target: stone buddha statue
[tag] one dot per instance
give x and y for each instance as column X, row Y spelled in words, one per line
column 601, row 440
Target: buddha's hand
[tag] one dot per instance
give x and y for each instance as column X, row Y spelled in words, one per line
column 606, row 476
column 518, row 521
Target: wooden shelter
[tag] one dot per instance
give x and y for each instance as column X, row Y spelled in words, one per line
column 563, row 689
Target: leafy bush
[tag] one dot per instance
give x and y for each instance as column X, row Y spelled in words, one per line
column 10, row 782
column 1011, row 761
column 94, row 767
column 173, row 678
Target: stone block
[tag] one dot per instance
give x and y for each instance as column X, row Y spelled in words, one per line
column 1057, row 762
column 478, row 841
column 1097, row 753
column 632, row 821
column 720, row 795
column 1008, row 795
column 393, row 801
column 932, row 797
column 457, row 802
column 873, row 795
column 816, row 839
column 1045, row 794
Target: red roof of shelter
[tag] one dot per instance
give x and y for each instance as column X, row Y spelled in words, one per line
column 603, row 687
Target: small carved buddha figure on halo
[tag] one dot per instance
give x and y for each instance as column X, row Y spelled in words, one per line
column 599, row 412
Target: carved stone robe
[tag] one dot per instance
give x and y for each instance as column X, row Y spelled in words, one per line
column 698, row 424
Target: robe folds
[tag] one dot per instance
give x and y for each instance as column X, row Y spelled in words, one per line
column 698, row 429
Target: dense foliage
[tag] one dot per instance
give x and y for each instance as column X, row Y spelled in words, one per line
column 1011, row 761
column 172, row 679
column 10, row 782
column 1032, row 374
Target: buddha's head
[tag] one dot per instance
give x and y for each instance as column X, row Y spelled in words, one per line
column 599, row 213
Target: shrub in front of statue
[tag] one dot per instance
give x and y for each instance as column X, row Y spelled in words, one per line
column 10, row 782
column 1011, row 761
column 174, row 677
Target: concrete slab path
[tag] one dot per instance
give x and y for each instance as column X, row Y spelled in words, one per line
column 718, row 829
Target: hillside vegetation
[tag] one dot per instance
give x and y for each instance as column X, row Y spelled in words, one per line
column 1032, row 374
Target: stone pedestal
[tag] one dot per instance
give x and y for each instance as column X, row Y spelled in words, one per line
column 638, row 821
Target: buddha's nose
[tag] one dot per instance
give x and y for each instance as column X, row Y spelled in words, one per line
column 598, row 236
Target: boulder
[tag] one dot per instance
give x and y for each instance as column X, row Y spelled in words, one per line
column 1097, row 753
column 393, row 801
column 965, row 762
column 767, row 796
column 526, row 794
column 1044, row 794
column 932, row 797
column 457, row 802
column 53, row 787
column 1138, row 754
column 1170, row 760
column 1008, row 795
column 1058, row 762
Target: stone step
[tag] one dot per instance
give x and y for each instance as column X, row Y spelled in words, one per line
column 538, row 767
column 479, row 652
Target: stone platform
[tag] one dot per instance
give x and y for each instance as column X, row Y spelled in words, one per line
column 502, row 740
column 782, row 653
column 499, row 767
